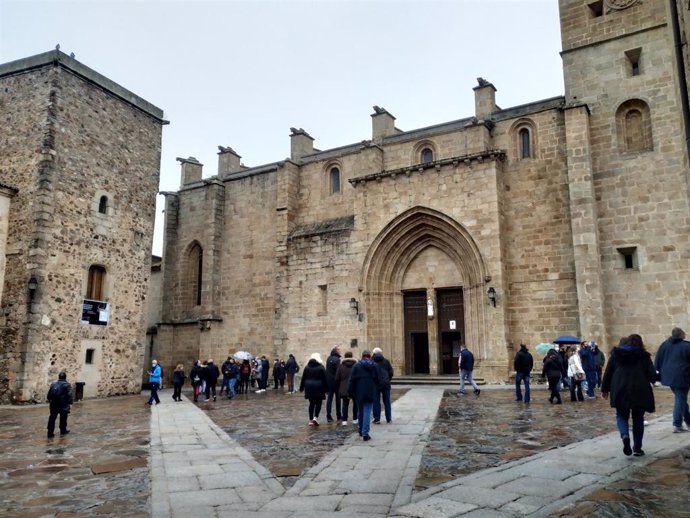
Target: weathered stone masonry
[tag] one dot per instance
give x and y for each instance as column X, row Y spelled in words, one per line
column 574, row 209
column 70, row 138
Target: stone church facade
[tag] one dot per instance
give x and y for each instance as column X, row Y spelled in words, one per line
column 79, row 171
column 567, row 215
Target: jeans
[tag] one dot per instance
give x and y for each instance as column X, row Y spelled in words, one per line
column 520, row 377
column 466, row 374
column 231, row 387
column 345, row 402
column 591, row 377
column 210, row 389
column 329, row 405
column 225, row 385
column 154, row 394
column 622, row 416
column 576, row 385
column 553, row 387
column 63, row 421
column 364, row 417
column 386, row 395
column 680, row 407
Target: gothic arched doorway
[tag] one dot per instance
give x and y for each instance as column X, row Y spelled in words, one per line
column 424, row 257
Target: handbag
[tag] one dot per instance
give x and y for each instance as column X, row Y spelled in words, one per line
column 579, row 376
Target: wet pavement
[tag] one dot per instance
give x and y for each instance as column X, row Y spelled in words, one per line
column 101, row 468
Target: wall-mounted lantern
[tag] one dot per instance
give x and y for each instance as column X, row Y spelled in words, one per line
column 354, row 304
column 33, row 286
column 491, row 293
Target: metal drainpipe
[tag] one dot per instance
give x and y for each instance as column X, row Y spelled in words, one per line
column 680, row 65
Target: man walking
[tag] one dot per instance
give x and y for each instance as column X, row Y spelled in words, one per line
column 291, row 368
column 385, row 372
column 211, row 374
column 466, row 366
column 155, row 375
column 233, row 373
column 523, row 365
column 225, row 370
column 331, row 370
column 363, row 387
column 599, row 360
column 60, row 399
column 673, row 365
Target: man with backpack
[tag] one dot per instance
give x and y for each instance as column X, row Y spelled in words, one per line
column 60, row 399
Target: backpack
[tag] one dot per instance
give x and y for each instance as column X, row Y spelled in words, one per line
column 245, row 369
column 55, row 394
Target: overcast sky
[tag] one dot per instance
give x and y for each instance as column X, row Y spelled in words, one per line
column 241, row 73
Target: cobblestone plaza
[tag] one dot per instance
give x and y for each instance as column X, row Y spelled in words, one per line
column 443, row 455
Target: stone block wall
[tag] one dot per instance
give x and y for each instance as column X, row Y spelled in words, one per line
column 85, row 141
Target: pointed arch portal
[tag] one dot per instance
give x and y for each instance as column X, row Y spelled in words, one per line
column 397, row 285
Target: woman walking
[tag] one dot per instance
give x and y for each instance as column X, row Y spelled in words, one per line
column 196, row 375
column 576, row 373
column 628, row 378
column 314, row 385
column 342, row 381
column 552, row 372
column 178, row 378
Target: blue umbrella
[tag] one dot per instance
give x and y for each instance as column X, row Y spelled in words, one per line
column 567, row 340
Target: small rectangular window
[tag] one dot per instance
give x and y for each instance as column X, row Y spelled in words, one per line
column 633, row 61
column 89, row 356
column 596, row 8
column 628, row 258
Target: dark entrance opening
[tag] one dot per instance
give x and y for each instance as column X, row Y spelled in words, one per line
column 451, row 328
column 416, row 333
column 450, row 345
column 420, row 345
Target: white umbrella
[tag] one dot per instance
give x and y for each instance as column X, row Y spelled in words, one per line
column 242, row 355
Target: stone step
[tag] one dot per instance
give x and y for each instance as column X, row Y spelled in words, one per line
column 426, row 379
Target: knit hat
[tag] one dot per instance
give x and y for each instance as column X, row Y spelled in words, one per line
column 377, row 350
column 316, row 356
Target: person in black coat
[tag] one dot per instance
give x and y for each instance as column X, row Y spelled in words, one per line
column 332, row 364
column 178, row 378
column 628, row 379
column 673, row 365
column 385, row 372
column 211, row 375
column 363, row 386
column 197, row 377
column 553, row 371
column 60, row 399
column 314, row 385
column 291, row 368
column 278, row 374
column 523, row 364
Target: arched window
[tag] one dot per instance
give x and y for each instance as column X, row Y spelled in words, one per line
column 95, row 288
column 427, row 156
column 195, row 273
column 335, row 180
column 634, row 126
column 525, row 148
column 103, row 205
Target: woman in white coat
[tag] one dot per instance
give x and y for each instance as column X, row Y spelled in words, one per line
column 576, row 373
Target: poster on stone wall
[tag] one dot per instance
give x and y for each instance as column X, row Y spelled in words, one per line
column 95, row 313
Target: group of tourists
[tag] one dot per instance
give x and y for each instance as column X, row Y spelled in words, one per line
column 365, row 384
column 627, row 381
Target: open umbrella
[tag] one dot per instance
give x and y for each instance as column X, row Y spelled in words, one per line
column 543, row 348
column 567, row 339
column 242, row 355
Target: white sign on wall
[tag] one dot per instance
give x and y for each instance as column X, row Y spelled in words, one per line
column 453, row 326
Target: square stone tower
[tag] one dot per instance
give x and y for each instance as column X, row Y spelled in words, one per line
column 79, row 168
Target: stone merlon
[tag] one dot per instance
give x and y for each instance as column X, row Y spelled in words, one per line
column 228, row 161
column 382, row 124
column 484, row 99
column 301, row 143
column 191, row 170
